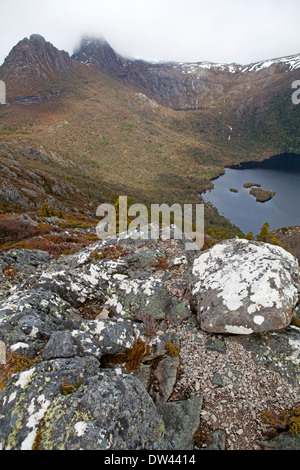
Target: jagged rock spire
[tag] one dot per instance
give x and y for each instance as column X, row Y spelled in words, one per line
column 34, row 59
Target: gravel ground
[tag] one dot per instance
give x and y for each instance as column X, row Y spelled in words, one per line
column 235, row 390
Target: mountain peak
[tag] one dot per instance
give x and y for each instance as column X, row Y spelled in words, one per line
column 37, row 37
column 96, row 51
column 34, row 59
column 86, row 40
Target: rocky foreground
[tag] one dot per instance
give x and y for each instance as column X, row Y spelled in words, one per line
column 136, row 344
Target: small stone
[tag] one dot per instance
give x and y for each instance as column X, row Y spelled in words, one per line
column 218, row 379
column 104, row 315
column 60, row 344
column 166, row 373
column 216, row 344
column 218, row 440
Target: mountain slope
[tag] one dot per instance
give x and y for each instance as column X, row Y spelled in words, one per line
column 253, row 101
column 105, row 138
column 104, row 133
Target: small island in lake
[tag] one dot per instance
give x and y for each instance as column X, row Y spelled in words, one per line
column 262, row 195
column 233, row 190
column 249, row 185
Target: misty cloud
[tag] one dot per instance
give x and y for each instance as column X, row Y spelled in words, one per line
column 241, row 31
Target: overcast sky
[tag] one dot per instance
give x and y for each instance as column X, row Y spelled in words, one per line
column 241, row 31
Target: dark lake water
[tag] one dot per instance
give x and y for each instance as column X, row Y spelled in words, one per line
column 280, row 173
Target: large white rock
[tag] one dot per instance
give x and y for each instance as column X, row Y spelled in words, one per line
column 245, row 287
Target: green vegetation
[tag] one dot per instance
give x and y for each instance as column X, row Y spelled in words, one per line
column 131, row 359
column 249, row 185
column 295, row 322
column 13, row 230
column 49, row 211
column 67, row 388
column 283, row 420
column 172, row 349
column 264, row 236
column 15, row 363
column 249, row 236
column 262, row 195
column 223, row 233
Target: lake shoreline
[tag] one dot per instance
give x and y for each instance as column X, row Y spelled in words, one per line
column 277, row 177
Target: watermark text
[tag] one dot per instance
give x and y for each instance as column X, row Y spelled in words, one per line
column 2, row 92
column 296, row 94
column 176, row 221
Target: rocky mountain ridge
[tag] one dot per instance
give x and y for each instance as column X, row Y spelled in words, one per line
column 177, row 85
column 98, row 51
column 183, row 85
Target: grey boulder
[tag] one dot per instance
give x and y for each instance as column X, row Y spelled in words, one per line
column 67, row 404
column 244, row 287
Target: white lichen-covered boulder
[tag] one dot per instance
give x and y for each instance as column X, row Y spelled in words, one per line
column 245, row 287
